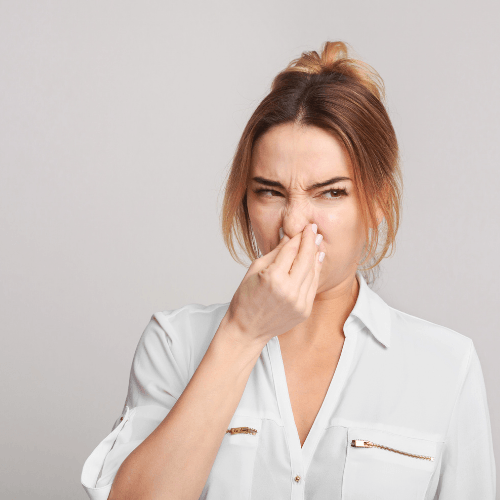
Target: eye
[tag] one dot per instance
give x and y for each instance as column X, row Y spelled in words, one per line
column 261, row 192
column 343, row 192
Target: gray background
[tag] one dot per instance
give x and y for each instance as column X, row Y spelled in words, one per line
column 118, row 122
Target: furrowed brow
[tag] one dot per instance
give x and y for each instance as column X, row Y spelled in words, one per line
column 270, row 183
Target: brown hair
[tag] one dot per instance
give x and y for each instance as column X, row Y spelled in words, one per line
column 345, row 97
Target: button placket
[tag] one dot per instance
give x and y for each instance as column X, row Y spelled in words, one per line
column 333, row 394
column 286, row 414
column 301, row 456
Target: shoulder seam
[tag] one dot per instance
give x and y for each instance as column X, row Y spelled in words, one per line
column 206, row 308
column 464, row 376
column 167, row 345
column 431, row 323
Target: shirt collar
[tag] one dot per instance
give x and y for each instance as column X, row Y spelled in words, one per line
column 373, row 312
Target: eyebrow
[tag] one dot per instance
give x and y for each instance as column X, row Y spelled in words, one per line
column 333, row 180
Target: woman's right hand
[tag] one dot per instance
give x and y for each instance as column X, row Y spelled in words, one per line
column 278, row 290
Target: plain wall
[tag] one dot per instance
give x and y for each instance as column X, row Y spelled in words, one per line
column 118, row 123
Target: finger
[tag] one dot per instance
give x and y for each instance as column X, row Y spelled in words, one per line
column 304, row 260
column 313, row 289
column 287, row 254
column 310, row 277
column 269, row 257
column 306, row 284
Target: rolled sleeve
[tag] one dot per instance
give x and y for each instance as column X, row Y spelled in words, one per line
column 468, row 464
column 155, row 384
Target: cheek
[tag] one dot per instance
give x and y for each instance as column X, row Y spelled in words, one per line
column 265, row 225
column 263, row 221
column 342, row 224
column 342, row 232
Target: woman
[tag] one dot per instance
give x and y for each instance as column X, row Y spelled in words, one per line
column 307, row 385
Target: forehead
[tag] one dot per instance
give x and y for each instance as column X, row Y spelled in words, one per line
column 300, row 151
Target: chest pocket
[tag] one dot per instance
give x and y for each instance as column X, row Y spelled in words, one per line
column 381, row 465
column 232, row 471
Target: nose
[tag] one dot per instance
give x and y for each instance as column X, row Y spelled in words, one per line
column 294, row 225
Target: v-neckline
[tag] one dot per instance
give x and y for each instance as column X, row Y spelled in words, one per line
column 301, row 456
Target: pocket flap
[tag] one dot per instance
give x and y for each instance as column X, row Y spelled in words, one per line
column 392, row 470
column 247, row 438
column 232, row 472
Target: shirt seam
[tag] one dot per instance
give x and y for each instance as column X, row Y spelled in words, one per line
column 345, row 461
column 260, row 418
column 166, row 334
column 204, row 308
column 459, row 392
column 429, row 322
column 383, row 430
column 279, row 410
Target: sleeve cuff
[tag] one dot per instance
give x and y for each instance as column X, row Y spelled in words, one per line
column 93, row 464
column 133, row 428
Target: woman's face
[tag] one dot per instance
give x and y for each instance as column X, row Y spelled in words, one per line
column 298, row 158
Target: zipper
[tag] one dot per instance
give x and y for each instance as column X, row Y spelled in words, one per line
column 241, row 430
column 359, row 443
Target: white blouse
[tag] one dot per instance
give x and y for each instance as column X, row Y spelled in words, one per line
column 405, row 416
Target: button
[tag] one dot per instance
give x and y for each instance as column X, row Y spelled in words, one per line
column 297, row 478
column 121, row 418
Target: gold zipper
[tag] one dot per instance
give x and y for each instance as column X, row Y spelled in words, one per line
column 359, row 443
column 241, row 430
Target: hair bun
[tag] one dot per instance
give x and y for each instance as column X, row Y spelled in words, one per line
column 335, row 60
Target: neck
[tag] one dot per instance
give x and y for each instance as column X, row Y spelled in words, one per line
column 323, row 328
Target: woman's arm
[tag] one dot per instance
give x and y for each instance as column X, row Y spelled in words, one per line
column 468, row 467
column 175, row 460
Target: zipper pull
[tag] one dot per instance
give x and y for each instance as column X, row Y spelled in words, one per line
column 241, row 430
column 359, row 443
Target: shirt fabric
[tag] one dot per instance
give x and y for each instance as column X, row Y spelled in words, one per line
column 401, row 382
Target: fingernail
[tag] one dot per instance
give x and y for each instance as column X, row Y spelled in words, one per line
column 319, row 238
column 315, row 228
column 321, row 256
column 281, row 233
